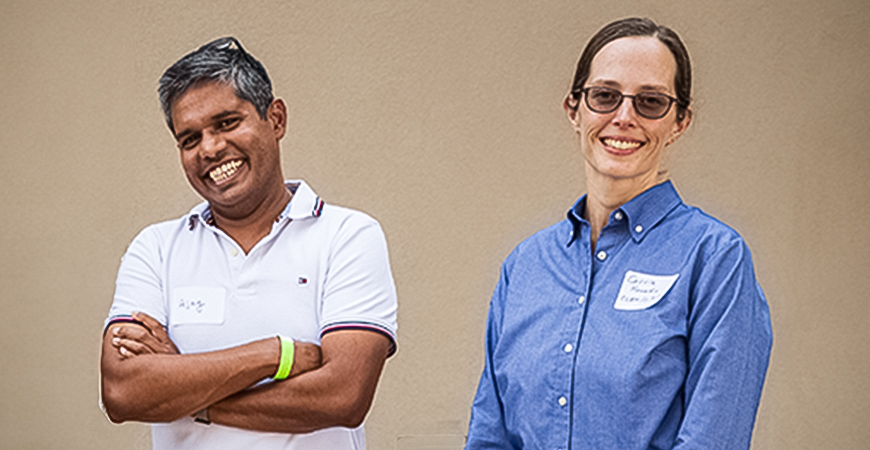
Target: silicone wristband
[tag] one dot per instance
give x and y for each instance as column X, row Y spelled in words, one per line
column 286, row 363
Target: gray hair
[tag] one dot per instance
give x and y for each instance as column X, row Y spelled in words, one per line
column 222, row 61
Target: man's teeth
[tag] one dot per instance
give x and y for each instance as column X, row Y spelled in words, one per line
column 621, row 145
column 225, row 171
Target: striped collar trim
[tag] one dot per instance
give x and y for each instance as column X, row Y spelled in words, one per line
column 304, row 204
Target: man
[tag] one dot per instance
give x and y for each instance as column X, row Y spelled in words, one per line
column 214, row 330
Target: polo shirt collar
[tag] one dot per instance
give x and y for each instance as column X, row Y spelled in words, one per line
column 642, row 212
column 304, row 204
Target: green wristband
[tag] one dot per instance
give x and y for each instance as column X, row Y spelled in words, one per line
column 286, row 363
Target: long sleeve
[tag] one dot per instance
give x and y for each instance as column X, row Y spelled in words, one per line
column 729, row 345
column 487, row 429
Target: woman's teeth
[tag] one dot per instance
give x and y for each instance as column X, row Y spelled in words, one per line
column 621, row 145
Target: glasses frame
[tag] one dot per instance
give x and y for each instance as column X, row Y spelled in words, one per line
column 585, row 92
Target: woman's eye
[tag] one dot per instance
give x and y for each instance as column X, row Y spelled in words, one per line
column 652, row 100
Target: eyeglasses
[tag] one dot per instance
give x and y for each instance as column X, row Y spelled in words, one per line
column 650, row 105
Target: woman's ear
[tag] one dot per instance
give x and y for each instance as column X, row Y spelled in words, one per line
column 571, row 107
column 680, row 126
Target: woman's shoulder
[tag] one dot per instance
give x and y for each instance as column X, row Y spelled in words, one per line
column 690, row 223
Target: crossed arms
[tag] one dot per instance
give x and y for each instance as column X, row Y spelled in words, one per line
column 144, row 378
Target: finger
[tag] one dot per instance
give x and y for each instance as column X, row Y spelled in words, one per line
column 131, row 331
column 140, row 336
column 134, row 347
column 150, row 323
column 125, row 354
column 158, row 331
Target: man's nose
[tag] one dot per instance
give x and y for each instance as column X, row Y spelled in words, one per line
column 212, row 146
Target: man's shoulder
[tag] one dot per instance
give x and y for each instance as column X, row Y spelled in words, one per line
column 342, row 214
column 166, row 229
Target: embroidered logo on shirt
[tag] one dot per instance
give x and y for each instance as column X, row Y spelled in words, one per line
column 302, row 281
column 640, row 290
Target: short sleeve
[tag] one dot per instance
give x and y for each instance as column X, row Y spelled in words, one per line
column 138, row 286
column 359, row 292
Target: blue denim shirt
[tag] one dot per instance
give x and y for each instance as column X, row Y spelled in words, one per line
column 660, row 339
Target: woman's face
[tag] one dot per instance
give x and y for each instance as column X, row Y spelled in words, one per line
column 621, row 145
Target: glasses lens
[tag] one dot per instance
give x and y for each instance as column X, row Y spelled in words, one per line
column 652, row 105
column 603, row 99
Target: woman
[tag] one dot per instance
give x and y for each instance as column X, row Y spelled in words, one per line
column 637, row 322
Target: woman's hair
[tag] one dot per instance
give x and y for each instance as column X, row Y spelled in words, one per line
column 639, row 27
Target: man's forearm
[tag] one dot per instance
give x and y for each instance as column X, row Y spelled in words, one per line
column 165, row 387
column 339, row 393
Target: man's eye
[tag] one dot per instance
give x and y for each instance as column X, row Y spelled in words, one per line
column 229, row 124
column 188, row 143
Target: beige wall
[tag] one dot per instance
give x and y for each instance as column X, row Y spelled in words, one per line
column 442, row 119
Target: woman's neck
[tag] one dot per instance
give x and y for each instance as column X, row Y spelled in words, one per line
column 605, row 194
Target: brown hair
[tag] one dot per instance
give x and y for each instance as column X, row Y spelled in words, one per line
column 639, row 27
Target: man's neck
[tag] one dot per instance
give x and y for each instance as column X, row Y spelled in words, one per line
column 250, row 227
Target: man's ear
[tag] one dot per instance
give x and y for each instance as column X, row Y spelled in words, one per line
column 572, row 107
column 277, row 116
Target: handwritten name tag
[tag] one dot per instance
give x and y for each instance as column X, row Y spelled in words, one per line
column 199, row 305
column 640, row 290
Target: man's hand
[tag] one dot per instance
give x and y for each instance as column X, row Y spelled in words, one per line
column 151, row 337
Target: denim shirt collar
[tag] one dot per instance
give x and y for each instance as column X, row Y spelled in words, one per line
column 642, row 213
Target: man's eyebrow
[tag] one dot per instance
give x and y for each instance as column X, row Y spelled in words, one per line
column 223, row 114
column 219, row 116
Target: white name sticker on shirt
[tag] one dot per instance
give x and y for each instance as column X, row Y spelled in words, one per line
column 195, row 304
column 640, row 290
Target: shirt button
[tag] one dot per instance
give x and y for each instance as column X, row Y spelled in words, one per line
column 568, row 348
column 235, row 252
column 638, row 228
column 563, row 401
column 581, row 299
column 618, row 215
column 602, row 255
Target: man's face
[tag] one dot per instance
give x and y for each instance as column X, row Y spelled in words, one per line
column 230, row 155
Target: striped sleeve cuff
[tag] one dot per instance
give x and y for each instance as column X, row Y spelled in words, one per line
column 366, row 326
column 126, row 318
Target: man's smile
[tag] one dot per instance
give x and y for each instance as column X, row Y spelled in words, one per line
column 224, row 171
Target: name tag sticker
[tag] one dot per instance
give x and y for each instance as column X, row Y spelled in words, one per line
column 197, row 305
column 640, row 290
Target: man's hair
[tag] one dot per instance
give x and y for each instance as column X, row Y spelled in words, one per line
column 222, row 61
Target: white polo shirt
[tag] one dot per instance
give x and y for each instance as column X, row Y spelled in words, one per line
column 322, row 268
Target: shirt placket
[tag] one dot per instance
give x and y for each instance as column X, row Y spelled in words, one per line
column 609, row 241
column 582, row 272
